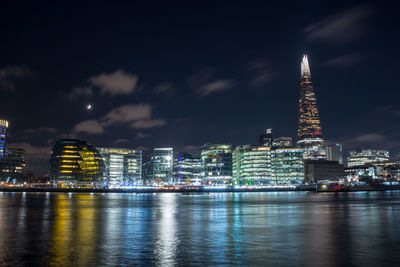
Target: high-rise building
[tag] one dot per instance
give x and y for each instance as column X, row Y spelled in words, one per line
column 334, row 152
column 76, row 162
column 163, row 165
column 3, row 133
column 282, row 142
column 309, row 131
column 252, row 165
column 187, row 169
column 216, row 160
column 287, row 166
column 13, row 167
column 122, row 165
column 266, row 139
column 366, row 156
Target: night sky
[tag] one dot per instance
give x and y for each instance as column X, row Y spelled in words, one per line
column 181, row 75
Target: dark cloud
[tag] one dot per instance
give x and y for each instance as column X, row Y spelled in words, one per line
column 340, row 28
column 147, row 124
column 89, row 127
column 343, row 61
column 9, row 75
column 127, row 114
column 215, row 86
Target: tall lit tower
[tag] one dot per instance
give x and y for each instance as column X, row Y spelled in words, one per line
column 3, row 132
column 309, row 132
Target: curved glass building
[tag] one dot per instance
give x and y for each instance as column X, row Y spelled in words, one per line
column 75, row 162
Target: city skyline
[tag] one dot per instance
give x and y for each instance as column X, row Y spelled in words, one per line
column 230, row 91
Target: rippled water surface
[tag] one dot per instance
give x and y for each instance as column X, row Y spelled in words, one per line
column 285, row 228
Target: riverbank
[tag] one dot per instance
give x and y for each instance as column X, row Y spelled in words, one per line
column 200, row 190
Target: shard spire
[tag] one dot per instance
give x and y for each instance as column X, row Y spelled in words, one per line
column 305, row 67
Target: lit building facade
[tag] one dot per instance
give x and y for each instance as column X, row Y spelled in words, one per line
column 187, row 169
column 287, row 166
column 309, row 128
column 75, row 162
column 122, row 165
column 334, row 152
column 282, row 142
column 362, row 157
column 163, row 165
column 3, row 134
column 216, row 160
column 13, row 167
column 252, row 165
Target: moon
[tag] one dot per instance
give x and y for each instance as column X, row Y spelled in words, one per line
column 89, row 107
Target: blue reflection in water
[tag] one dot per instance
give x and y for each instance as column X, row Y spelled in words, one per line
column 287, row 229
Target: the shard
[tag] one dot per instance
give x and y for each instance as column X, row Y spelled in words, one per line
column 309, row 131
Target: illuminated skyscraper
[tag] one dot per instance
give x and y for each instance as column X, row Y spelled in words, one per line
column 163, row 159
column 3, row 132
column 309, row 131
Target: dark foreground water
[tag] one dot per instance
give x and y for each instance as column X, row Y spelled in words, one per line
column 285, row 228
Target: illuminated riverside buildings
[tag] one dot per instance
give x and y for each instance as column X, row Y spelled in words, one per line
column 365, row 156
column 187, row 169
column 216, row 160
column 287, row 166
column 122, row 165
column 3, row 133
column 75, row 162
column 252, row 165
column 309, row 128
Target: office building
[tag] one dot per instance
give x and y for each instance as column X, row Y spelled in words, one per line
column 122, row 166
column 320, row 170
column 362, row 157
column 13, row 167
column 163, row 165
column 75, row 162
column 216, row 160
column 334, row 152
column 3, row 134
column 309, row 128
column 282, row 142
column 287, row 166
column 147, row 173
column 252, row 165
column 266, row 139
column 187, row 169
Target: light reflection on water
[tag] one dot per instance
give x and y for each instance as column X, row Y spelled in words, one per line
column 165, row 229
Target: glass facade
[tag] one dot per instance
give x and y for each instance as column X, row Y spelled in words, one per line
column 309, row 130
column 187, row 169
column 122, row 166
column 13, row 166
column 216, row 160
column 163, row 165
column 366, row 156
column 3, row 133
column 252, row 165
column 288, row 166
column 75, row 162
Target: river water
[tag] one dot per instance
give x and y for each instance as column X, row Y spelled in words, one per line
column 164, row 229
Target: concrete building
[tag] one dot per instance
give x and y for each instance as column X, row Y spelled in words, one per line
column 334, row 152
column 319, row 170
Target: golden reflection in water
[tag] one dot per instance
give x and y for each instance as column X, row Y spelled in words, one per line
column 75, row 230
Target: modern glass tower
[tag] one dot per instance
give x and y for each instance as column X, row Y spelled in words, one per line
column 3, row 132
column 309, row 131
column 216, row 160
